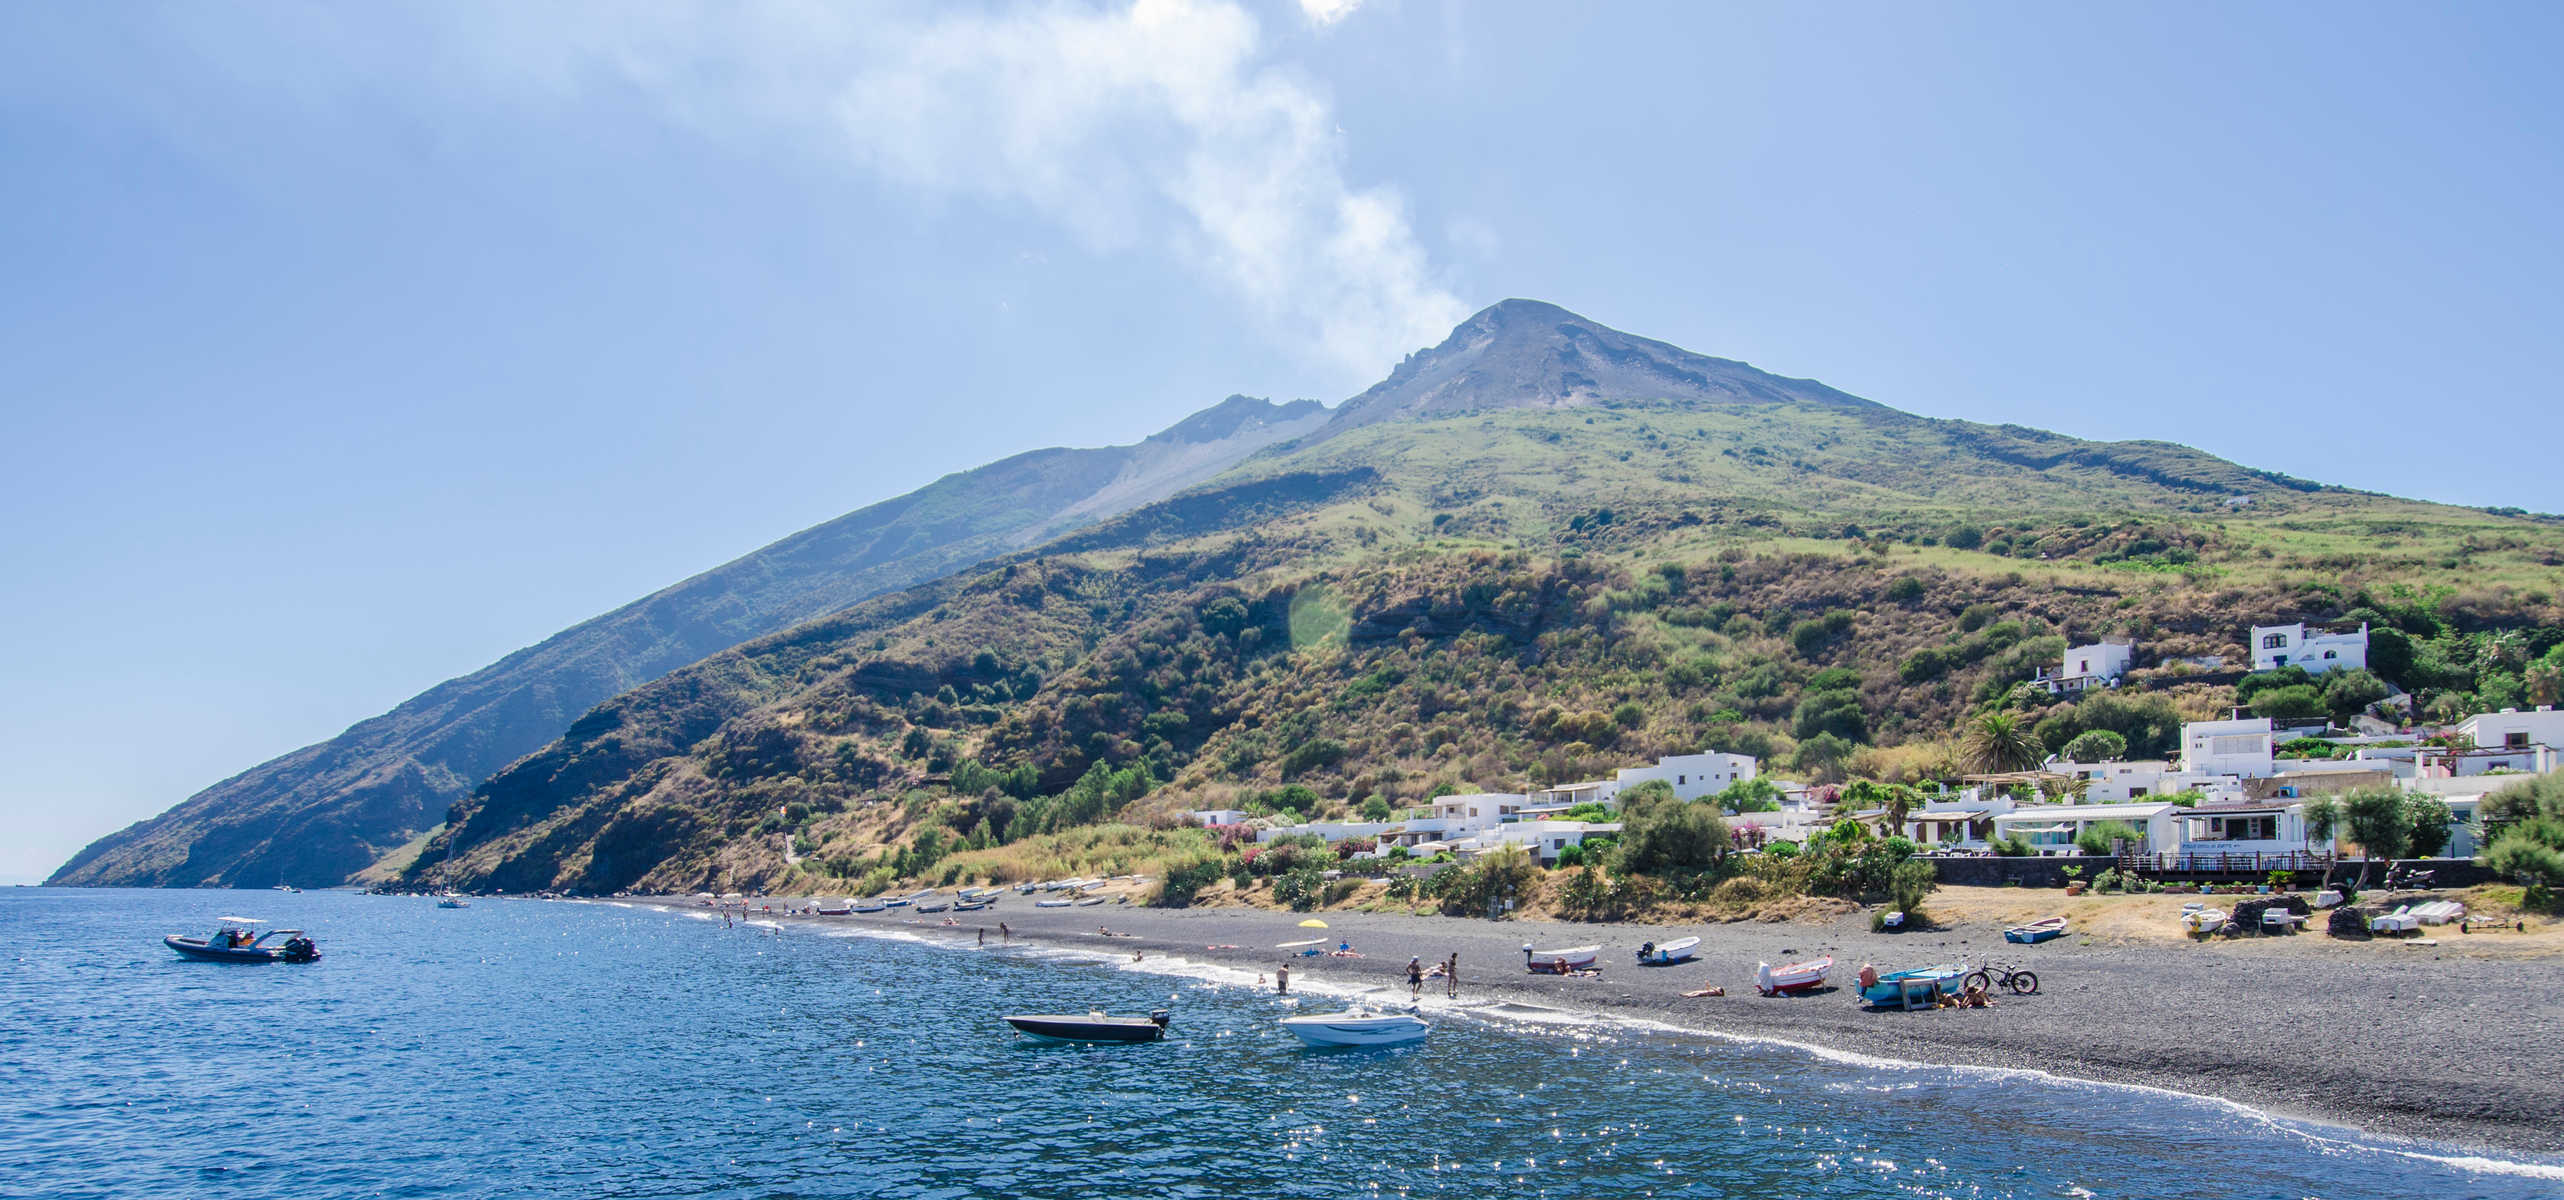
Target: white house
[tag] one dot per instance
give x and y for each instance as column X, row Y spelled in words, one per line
column 1692, row 775
column 2100, row 664
column 2249, row 827
column 1218, row 816
column 2511, row 729
column 1543, row 839
column 2318, row 651
column 2051, row 828
column 2245, row 749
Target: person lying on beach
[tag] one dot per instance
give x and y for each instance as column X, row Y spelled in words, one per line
column 1868, row 977
column 1975, row 997
column 1711, row 990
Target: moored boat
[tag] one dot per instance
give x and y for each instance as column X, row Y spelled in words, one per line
column 1652, row 955
column 1357, row 1027
column 237, row 939
column 2036, row 931
column 1093, row 1027
column 1796, row 977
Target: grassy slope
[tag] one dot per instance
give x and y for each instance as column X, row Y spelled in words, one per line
column 1447, row 601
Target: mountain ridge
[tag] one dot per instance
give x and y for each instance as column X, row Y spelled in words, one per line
column 317, row 815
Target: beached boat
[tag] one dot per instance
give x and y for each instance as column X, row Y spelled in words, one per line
column 1796, row 977
column 971, row 905
column 1680, row 949
column 1551, row 962
column 1093, row 1027
column 1357, row 1027
column 2199, row 918
column 872, row 906
column 237, row 939
column 1052, row 903
column 1892, row 988
column 936, row 905
column 1088, row 901
column 2036, row 931
column 1026, row 889
column 835, row 908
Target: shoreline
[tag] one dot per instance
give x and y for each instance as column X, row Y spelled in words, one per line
column 2424, row 1047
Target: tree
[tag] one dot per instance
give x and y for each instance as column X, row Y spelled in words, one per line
column 2289, row 703
column 1665, row 836
column 1750, row 795
column 2100, row 838
column 2531, row 852
column 2426, row 821
column 2098, row 745
column 1896, row 803
column 2349, row 693
column 1822, row 756
column 1997, row 742
column 1376, row 808
column 2374, row 818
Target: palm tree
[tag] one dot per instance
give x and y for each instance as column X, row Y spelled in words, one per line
column 1998, row 742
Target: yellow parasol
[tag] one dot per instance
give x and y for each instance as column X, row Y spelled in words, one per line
column 1313, row 923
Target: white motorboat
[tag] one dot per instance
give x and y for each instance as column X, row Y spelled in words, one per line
column 1357, row 1027
column 1052, row 903
column 451, row 900
column 1678, row 950
column 1552, row 962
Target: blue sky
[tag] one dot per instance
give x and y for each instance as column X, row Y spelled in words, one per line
column 351, row 347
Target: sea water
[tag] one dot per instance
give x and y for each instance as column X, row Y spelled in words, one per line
column 520, row 1048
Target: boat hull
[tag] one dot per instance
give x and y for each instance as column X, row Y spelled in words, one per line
column 1089, row 1029
column 2031, row 937
column 1668, row 954
column 202, row 952
column 1356, row 1031
column 1888, row 989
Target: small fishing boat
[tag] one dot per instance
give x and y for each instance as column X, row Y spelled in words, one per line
column 1305, row 947
column 1088, row 901
column 2036, row 931
column 1553, row 962
column 1680, row 949
column 872, row 906
column 451, row 900
column 936, row 905
column 971, row 905
column 835, row 908
column 895, row 902
column 1891, row 987
column 1026, row 889
column 237, row 939
column 1094, row 1027
column 2202, row 919
column 1052, row 903
column 1796, row 977
column 1357, row 1027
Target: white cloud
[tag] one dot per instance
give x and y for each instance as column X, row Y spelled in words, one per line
column 1140, row 126
column 1156, row 125
column 1328, row 12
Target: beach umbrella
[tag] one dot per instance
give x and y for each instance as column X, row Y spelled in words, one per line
column 1313, row 923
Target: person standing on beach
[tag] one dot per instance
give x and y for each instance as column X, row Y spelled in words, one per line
column 1451, row 976
column 1282, row 979
column 983, row 935
column 1004, row 934
column 1415, row 978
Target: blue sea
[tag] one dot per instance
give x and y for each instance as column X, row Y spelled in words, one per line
column 519, row 1048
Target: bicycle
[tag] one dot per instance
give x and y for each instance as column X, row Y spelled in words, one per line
column 2018, row 982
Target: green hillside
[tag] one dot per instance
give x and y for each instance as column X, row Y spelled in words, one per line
column 1489, row 573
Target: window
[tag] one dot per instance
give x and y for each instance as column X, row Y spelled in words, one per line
column 1681, row 779
column 2330, row 654
column 2136, row 791
column 2516, row 739
column 2274, row 641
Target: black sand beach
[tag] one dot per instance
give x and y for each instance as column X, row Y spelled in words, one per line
column 2401, row 1039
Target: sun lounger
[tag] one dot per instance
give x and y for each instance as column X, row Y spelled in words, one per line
column 2440, row 912
column 2401, row 920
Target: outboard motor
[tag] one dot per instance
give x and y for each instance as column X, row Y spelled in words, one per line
column 1161, row 1017
column 1645, row 949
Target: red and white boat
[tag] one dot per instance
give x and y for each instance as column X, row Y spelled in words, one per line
column 1796, row 977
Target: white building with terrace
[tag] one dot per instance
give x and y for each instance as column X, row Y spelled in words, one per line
column 2317, row 650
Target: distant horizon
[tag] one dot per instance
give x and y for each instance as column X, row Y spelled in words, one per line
column 358, row 348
